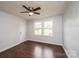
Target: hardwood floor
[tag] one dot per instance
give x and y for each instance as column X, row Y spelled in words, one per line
column 31, row 49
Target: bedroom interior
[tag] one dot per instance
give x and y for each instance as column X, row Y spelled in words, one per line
column 39, row 29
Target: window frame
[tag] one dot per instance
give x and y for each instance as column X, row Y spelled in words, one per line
column 43, row 28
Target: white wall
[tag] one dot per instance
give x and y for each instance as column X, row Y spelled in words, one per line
column 12, row 30
column 71, row 29
column 57, row 29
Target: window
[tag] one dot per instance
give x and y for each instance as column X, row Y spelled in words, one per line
column 47, row 30
column 38, row 28
column 43, row 28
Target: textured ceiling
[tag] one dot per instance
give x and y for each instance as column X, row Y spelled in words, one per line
column 51, row 8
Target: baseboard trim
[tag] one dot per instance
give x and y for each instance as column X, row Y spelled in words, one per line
column 66, row 52
column 45, row 42
column 11, row 46
column 28, row 40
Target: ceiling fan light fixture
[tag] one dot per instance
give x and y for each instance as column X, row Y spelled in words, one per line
column 31, row 10
column 31, row 13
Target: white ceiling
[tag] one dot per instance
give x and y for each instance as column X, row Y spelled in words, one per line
column 51, row 8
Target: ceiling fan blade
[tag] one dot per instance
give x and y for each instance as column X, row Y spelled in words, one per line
column 36, row 13
column 26, row 7
column 38, row 8
column 24, row 12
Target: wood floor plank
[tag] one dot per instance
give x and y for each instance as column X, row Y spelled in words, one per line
column 31, row 49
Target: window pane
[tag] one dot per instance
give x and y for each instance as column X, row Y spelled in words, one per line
column 47, row 32
column 48, row 24
column 43, row 28
column 37, row 25
column 38, row 32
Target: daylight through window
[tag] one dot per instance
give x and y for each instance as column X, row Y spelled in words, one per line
column 43, row 28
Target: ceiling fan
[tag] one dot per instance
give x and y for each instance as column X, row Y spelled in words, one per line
column 31, row 10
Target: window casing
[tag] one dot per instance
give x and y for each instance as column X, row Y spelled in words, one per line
column 44, row 28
